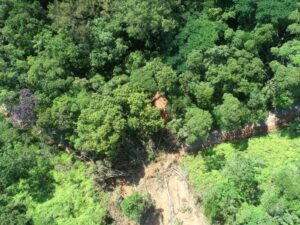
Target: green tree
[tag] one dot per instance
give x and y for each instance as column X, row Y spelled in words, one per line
column 135, row 205
column 37, row 187
column 231, row 114
column 257, row 104
column 284, row 88
column 281, row 196
column 201, row 92
column 155, row 76
column 146, row 19
column 288, row 53
column 233, row 71
column 75, row 15
column 194, row 61
column 258, row 41
column 141, row 116
column 197, row 125
column 222, row 202
column 53, row 63
column 230, row 189
column 25, row 169
column 251, row 11
column 252, row 215
column 197, row 34
column 20, row 21
column 7, row 100
column 14, row 214
column 294, row 27
column 241, row 171
column 180, row 105
column 134, row 61
column 59, row 120
column 278, row 15
column 100, row 126
column 107, row 46
column 87, row 206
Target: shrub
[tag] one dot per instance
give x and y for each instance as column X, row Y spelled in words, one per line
column 136, row 205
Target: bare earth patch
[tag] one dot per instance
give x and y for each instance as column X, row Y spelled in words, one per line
column 168, row 187
column 167, row 184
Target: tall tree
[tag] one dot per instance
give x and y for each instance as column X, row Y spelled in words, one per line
column 100, row 126
column 56, row 55
column 189, row 130
column 231, row 114
column 155, row 76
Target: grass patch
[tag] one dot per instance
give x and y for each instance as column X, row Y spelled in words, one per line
column 235, row 180
column 75, row 200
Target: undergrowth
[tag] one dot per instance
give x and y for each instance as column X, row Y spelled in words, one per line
column 251, row 181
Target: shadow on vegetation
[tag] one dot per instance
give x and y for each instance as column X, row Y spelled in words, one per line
column 129, row 165
column 166, row 142
column 241, row 145
column 292, row 131
column 152, row 217
column 213, row 159
column 42, row 187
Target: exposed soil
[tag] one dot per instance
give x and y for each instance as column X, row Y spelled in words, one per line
column 167, row 184
column 161, row 102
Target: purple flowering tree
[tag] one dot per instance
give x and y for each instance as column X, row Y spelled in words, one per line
column 23, row 115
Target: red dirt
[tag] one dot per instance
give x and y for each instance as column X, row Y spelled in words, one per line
column 161, row 102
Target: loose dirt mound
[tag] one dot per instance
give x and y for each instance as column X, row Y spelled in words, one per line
column 167, row 185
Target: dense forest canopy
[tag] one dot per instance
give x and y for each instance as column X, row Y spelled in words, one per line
column 82, row 74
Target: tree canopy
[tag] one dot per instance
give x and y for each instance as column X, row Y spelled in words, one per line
column 84, row 76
